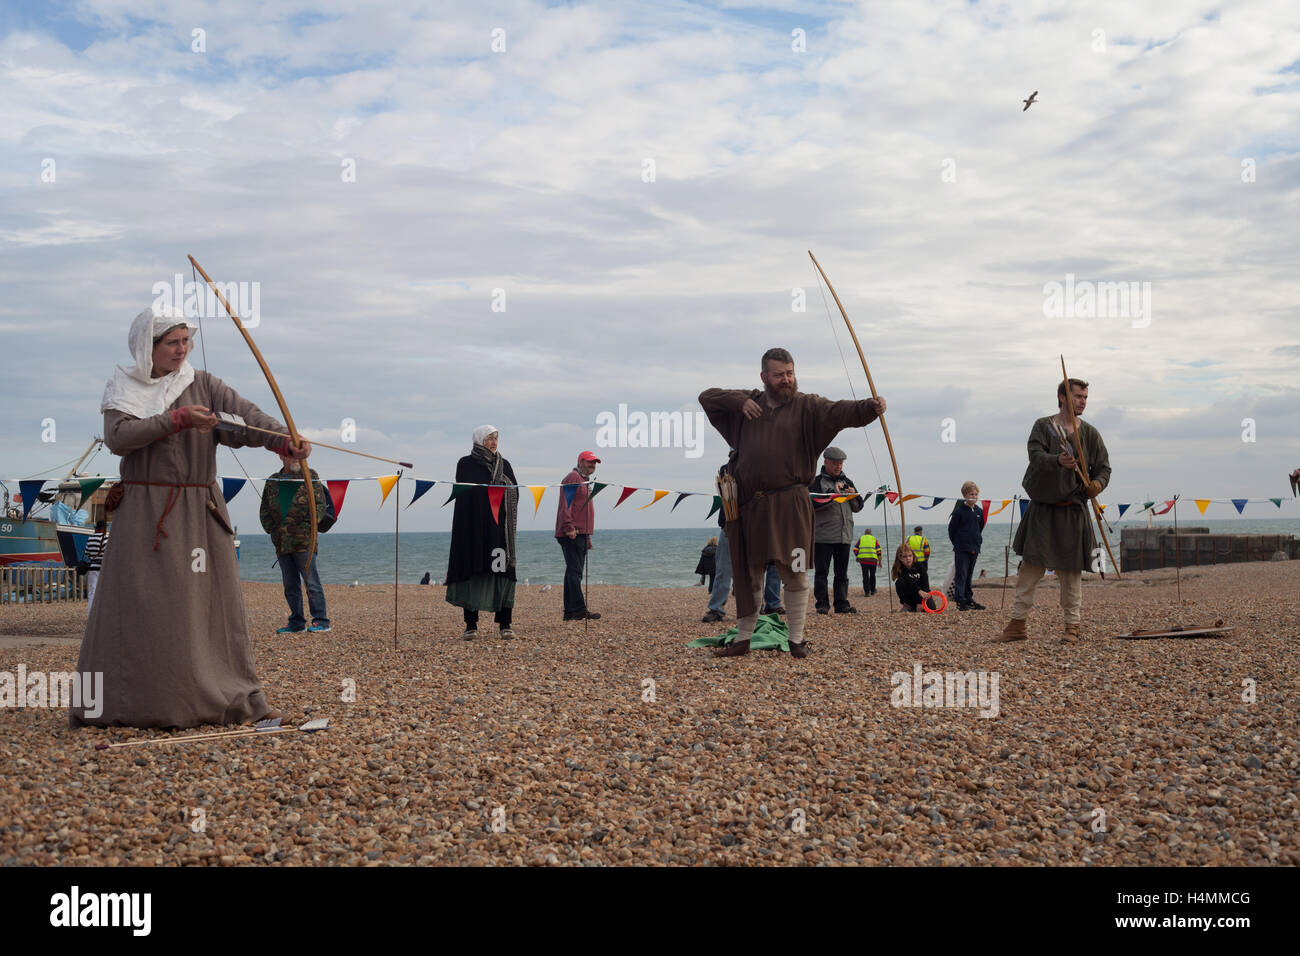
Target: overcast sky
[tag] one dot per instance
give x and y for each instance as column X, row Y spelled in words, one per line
column 642, row 181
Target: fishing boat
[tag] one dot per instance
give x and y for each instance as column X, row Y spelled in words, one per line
column 54, row 528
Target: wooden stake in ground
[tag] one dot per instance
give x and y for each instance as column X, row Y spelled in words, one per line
column 263, row 728
column 397, row 539
column 1006, row 564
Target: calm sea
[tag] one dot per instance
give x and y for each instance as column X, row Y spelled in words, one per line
column 638, row 558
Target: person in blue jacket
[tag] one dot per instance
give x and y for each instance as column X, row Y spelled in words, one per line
column 965, row 531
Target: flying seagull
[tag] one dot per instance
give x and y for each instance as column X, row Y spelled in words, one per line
column 1029, row 102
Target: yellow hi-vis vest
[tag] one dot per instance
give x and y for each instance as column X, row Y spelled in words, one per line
column 867, row 550
column 920, row 546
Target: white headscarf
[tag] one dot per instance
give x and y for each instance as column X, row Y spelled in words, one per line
column 483, row 433
column 135, row 390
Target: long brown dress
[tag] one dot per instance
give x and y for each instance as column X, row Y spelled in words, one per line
column 168, row 629
column 776, row 459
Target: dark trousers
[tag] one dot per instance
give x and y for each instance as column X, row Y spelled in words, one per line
column 963, row 567
column 575, row 559
column 503, row 617
column 296, row 570
column 707, row 580
column 822, row 556
column 868, row 579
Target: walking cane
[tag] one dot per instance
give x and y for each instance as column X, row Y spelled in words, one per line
column 1006, row 553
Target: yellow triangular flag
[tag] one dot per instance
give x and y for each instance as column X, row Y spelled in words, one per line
column 658, row 494
column 387, row 483
column 537, row 497
column 1005, row 502
column 1203, row 503
column 910, row 497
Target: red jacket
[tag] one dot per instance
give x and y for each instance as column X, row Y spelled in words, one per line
column 579, row 516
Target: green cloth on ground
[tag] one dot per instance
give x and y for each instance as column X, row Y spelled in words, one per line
column 483, row 592
column 770, row 633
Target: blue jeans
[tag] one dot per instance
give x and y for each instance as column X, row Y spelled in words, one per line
column 295, row 568
column 772, row 588
column 963, row 566
column 722, row 577
column 575, row 558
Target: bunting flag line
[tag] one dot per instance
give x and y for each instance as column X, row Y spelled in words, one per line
column 538, row 491
column 338, row 487
column 231, row 487
column 422, row 485
column 388, row 483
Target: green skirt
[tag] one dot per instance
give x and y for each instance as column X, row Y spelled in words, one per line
column 483, row 592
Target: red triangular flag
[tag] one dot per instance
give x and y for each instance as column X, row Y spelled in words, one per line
column 627, row 492
column 985, row 504
column 495, row 494
column 338, row 488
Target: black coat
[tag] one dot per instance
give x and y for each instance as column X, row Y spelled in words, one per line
column 965, row 528
column 708, row 560
column 475, row 534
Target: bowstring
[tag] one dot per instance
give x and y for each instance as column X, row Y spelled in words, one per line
column 203, row 348
column 866, row 436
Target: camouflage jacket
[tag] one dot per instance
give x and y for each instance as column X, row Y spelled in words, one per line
column 292, row 532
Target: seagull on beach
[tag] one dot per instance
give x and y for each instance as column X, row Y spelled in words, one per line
column 1029, row 102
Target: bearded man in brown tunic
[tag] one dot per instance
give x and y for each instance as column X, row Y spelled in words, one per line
column 168, row 629
column 778, row 434
column 1057, row 529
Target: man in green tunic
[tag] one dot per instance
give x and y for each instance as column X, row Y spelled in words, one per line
column 1057, row 529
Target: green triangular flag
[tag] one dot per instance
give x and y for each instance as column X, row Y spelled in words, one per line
column 1147, row 504
column 717, row 503
column 88, row 487
column 596, row 488
column 1276, row 501
column 456, row 491
column 879, row 498
column 287, row 490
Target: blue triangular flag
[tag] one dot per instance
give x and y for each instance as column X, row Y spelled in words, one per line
column 1024, row 506
column 231, row 487
column 1240, row 503
column 29, row 489
column 1122, row 509
column 930, row 505
column 421, row 486
column 684, row 494
column 570, row 490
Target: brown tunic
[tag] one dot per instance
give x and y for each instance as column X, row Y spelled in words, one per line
column 172, row 641
column 776, row 458
column 1052, row 535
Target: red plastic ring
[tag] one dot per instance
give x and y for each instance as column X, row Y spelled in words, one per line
column 925, row 605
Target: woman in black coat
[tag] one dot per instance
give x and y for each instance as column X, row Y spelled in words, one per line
column 481, row 567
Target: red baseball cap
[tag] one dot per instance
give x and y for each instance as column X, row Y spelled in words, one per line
column 588, row 456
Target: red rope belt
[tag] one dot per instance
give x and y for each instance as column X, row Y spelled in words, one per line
column 173, row 496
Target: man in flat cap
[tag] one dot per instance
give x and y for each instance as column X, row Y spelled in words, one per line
column 834, row 501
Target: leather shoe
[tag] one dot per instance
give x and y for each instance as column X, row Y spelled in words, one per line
column 847, row 609
column 712, row 616
column 799, row 650
column 823, row 610
column 734, row 649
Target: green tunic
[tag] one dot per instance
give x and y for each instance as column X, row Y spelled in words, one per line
column 1052, row 536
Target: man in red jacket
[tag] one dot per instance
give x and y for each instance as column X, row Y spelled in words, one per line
column 575, row 520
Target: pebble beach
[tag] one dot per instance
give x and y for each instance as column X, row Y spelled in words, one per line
column 613, row 743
